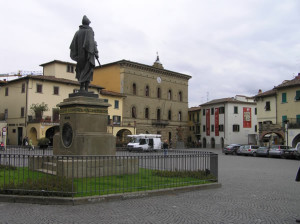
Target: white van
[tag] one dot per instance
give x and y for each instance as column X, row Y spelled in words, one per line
column 144, row 142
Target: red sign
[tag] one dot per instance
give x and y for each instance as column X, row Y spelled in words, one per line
column 216, row 121
column 208, row 122
column 246, row 117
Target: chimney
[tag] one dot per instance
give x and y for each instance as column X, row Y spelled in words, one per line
column 259, row 91
column 298, row 76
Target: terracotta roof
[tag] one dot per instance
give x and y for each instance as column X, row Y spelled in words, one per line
column 289, row 83
column 52, row 79
column 111, row 93
column 194, row 109
column 226, row 100
column 266, row 93
column 57, row 61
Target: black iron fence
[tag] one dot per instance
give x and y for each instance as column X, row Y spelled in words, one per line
column 75, row 176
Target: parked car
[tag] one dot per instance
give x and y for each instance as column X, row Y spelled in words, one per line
column 297, row 150
column 277, row 150
column 262, row 151
column 239, row 150
column 249, row 150
column 290, row 153
column 231, row 149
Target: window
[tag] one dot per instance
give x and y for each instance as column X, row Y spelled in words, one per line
column 268, row 106
column 158, row 114
column 283, row 98
column 212, row 127
column 70, row 68
column 39, row 88
column 116, row 120
column 212, row 111
column 179, row 116
column 169, row 115
column 133, row 112
column 180, row 96
column 56, row 90
column 198, row 117
column 221, row 110
column 298, row 119
column 221, row 127
column 6, row 91
column 147, row 113
column 106, row 100
column 134, row 89
column 23, row 88
column 203, row 128
column 6, row 114
column 255, row 110
column 235, row 110
column 108, row 120
column 235, row 128
column 297, row 95
column 116, row 104
column 147, row 91
column 170, row 94
column 255, row 128
column 22, row 111
column 203, row 112
column 158, row 93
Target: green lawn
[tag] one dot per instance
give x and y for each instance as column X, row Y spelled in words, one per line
column 33, row 182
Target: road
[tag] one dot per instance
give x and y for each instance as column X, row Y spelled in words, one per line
column 254, row 190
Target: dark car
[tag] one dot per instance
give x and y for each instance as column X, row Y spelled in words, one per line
column 289, row 153
column 262, row 151
column 231, row 149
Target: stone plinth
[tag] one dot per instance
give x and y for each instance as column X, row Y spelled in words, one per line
column 83, row 127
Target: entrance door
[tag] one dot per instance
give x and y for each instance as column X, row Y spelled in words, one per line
column 20, row 135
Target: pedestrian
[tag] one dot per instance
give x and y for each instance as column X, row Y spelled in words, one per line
column 298, row 180
column 31, row 146
column 165, row 147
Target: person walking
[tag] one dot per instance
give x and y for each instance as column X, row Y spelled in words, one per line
column 165, row 147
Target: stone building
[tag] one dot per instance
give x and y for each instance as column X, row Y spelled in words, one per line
column 156, row 99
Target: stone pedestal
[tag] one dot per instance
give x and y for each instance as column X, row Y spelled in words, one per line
column 83, row 127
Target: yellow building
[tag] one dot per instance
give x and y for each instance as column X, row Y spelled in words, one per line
column 156, row 99
column 57, row 82
column 279, row 113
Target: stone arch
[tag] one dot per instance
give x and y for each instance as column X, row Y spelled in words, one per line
column 213, row 143
column 51, row 132
column 296, row 140
column 121, row 137
column 268, row 138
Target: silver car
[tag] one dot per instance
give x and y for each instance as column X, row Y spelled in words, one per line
column 277, row 150
column 262, row 151
column 249, row 150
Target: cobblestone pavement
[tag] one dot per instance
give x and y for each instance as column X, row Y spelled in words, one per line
column 254, row 190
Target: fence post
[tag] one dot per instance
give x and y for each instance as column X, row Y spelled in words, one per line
column 214, row 164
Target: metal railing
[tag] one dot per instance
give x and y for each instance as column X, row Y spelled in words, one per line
column 76, row 176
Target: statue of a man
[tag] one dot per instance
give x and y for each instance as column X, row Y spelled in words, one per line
column 83, row 51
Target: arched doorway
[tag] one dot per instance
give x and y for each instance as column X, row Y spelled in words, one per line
column 296, row 140
column 204, row 143
column 121, row 137
column 272, row 138
column 222, row 143
column 51, row 132
column 213, row 143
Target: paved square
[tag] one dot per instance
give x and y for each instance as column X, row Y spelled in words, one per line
column 254, row 190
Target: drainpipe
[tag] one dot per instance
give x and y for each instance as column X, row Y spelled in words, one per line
column 26, row 106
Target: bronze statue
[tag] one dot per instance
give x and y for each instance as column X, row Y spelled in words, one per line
column 84, row 51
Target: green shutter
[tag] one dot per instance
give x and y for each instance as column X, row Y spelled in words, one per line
column 297, row 95
column 283, row 100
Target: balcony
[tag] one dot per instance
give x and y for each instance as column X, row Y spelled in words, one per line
column 161, row 123
column 294, row 123
column 43, row 119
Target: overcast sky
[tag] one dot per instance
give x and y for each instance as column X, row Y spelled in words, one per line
column 229, row 47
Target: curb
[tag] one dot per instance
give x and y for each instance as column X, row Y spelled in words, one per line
column 105, row 198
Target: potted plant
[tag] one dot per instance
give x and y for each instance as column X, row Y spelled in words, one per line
column 38, row 109
column 43, row 143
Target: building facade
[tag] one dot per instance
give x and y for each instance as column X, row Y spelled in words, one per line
column 194, row 123
column 229, row 120
column 280, row 122
column 156, row 99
